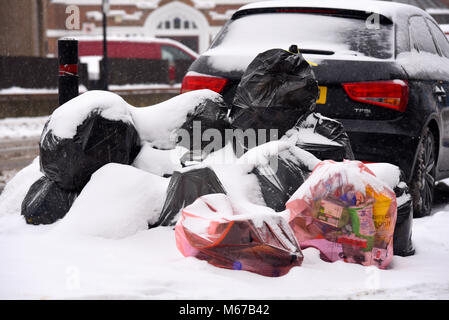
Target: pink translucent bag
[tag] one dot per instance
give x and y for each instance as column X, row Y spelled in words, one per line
column 347, row 213
column 227, row 235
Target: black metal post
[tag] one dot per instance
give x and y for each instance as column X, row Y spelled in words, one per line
column 105, row 45
column 68, row 70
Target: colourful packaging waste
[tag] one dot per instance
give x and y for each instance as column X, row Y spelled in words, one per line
column 347, row 213
column 235, row 236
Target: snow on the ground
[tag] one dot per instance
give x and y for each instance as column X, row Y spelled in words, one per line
column 23, row 127
column 48, row 262
column 144, row 86
column 39, row 265
column 82, row 88
column 5, row 176
column 113, row 190
column 20, row 90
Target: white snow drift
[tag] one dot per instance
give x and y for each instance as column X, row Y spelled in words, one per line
column 118, row 201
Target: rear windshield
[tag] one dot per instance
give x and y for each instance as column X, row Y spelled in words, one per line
column 329, row 34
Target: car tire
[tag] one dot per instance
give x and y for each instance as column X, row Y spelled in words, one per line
column 423, row 181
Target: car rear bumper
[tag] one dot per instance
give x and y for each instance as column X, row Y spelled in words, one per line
column 381, row 141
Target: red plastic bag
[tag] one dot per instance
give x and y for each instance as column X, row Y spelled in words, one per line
column 347, row 213
column 227, row 235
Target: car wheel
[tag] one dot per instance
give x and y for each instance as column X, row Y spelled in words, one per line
column 423, row 182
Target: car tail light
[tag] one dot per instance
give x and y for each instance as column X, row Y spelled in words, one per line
column 194, row 82
column 389, row 94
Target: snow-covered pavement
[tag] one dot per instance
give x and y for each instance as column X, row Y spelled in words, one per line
column 41, row 262
column 23, row 127
column 38, row 262
column 19, row 138
column 38, row 265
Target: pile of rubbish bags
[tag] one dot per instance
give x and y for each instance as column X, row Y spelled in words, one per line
column 340, row 208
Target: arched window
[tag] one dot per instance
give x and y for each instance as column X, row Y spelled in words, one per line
column 178, row 20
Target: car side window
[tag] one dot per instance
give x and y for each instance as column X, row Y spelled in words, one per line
column 421, row 39
column 172, row 54
column 440, row 38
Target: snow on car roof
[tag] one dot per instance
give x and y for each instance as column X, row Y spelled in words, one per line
column 387, row 9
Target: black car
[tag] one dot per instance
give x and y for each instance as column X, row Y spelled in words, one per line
column 382, row 68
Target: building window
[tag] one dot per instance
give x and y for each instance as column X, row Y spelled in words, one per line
column 176, row 23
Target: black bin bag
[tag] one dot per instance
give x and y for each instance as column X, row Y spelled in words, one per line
column 98, row 141
column 184, row 188
column 402, row 237
column 280, row 177
column 339, row 146
column 46, row 203
column 276, row 90
column 210, row 120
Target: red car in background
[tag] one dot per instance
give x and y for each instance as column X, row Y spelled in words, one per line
column 90, row 50
column 140, row 48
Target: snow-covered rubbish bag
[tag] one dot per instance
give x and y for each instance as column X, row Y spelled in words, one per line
column 232, row 236
column 84, row 134
column 403, row 245
column 209, row 114
column 276, row 90
column 184, row 188
column 166, row 123
column 346, row 212
column 282, row 174
column 324, row 137
column 46, row 203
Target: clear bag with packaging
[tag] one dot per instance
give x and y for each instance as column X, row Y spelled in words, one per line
column 235, row 236
column 346, row 212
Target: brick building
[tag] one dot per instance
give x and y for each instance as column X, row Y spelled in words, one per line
column 32, row 27
column 192, row 22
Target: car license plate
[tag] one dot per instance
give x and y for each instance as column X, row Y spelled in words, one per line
column 323, row 94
